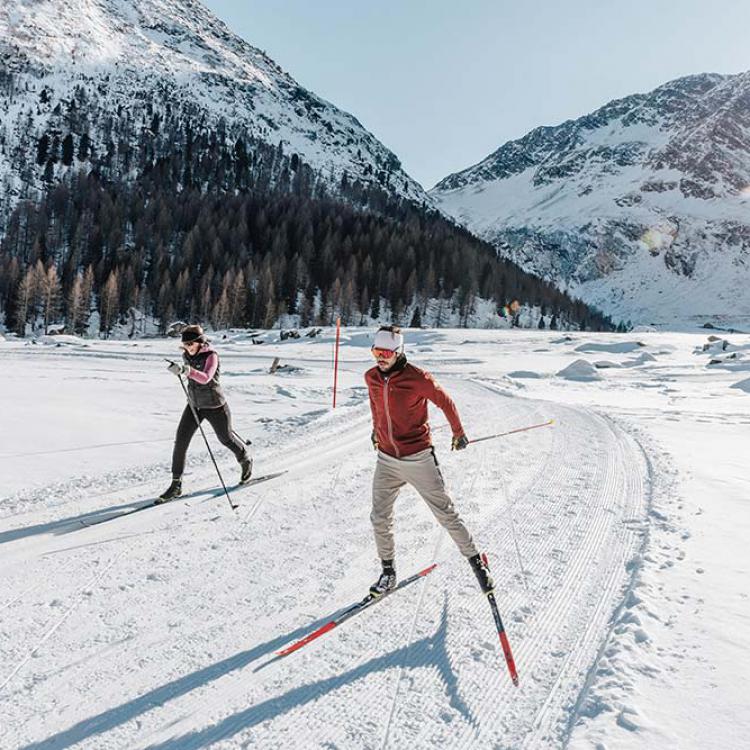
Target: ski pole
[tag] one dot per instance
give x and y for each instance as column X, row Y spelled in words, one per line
column 239, row 437
column 512, row 432
column 205, row 439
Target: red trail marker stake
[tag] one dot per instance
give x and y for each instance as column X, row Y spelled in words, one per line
column 336, row 360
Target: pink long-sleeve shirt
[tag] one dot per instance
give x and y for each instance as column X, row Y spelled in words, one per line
column 212, row 362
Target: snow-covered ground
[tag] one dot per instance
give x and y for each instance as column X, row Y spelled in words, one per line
column 617, row 538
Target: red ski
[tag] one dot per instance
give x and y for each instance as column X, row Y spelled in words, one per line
column 501, row 634
column 355, row 609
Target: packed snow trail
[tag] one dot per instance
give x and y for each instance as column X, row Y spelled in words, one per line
column 167, row 650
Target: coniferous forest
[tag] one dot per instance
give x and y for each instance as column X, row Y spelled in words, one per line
column 233, row 232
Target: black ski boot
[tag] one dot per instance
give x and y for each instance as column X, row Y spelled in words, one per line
column 387, row 580
column 482, row 572
column 174, row 490
column 247, row 470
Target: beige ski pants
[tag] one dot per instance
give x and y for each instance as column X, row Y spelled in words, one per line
column 420, row 470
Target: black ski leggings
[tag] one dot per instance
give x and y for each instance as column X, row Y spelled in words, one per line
column 220, row 419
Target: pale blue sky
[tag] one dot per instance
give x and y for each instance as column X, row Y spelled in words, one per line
column 445, row 82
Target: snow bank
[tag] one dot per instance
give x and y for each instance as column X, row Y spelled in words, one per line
column 721, row 359
column 580, row 370
column 61, row 339
column 714, row 346
column 619, row 347
column 363, row 340
column 641, row 359
column 742, row 385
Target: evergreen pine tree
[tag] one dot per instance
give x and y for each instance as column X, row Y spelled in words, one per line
column 68, row 150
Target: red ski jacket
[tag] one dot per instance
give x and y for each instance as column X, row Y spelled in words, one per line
column 398, row 400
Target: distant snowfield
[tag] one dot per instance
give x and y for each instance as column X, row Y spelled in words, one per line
column 617, row 539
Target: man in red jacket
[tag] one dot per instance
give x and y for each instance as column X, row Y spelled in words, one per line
column 399, row 393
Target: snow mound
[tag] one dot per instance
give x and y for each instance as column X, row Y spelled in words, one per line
column 605, row 364
column 714, row 346
column 742, row 385
column 579, row 370
column 721, row 359
column 363, row 340
column 57, row 340
column 641, row 359
column 619, row 347
column 524, row 374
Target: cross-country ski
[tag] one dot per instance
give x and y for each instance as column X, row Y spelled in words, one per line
column 212, row 492
column 355, row 609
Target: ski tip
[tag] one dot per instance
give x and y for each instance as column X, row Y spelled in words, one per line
column 515, row 680
column 291, row 649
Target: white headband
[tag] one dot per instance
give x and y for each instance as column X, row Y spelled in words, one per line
column 389, row 340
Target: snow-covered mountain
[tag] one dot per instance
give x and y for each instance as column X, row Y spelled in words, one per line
column 641, row 208
column 94, row 70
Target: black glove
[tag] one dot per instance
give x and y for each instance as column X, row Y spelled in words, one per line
column 374, row 440
column 459, row 443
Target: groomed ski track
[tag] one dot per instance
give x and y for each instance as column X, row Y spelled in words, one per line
column 172, row 645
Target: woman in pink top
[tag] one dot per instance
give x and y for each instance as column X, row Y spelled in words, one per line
column 201, row 367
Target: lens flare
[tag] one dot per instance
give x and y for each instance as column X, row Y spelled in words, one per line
column 509, row 310
column 659, row 237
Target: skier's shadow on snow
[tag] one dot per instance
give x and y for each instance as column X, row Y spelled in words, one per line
column 430, row 651
column 96, row 517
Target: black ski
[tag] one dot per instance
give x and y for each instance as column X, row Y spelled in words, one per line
column 213, row 492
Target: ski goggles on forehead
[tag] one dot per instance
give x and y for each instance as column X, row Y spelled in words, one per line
column 377, row 352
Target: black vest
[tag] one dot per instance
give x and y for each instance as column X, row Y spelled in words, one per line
column 210, row 395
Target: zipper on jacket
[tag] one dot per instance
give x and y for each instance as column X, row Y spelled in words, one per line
column 388, row 416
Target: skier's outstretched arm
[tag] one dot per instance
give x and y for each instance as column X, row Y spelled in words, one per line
column 433, row 391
